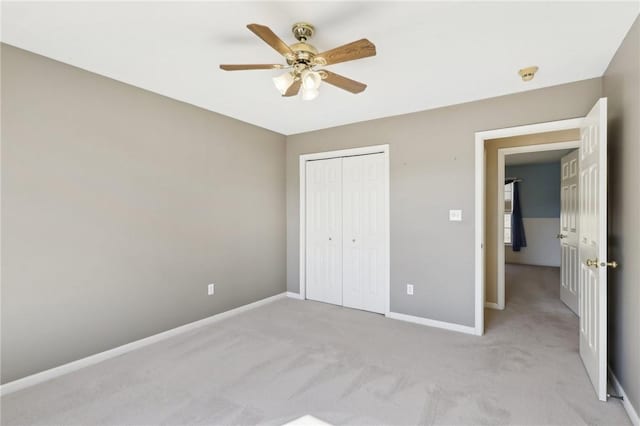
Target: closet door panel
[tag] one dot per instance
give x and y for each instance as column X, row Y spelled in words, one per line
column 363, row 232
column 324, row 230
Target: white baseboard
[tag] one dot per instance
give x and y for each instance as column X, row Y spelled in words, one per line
column 52, row 373
column 631, row 411
column 294, row 295
column 493, row 305
column 433, row 323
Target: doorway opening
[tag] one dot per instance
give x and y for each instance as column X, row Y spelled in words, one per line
column 592, row 231
column 528, row 227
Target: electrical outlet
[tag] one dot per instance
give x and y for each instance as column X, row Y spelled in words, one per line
column 210, row 289
column 410, row 289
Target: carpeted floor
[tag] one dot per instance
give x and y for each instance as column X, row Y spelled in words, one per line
column 292, row 358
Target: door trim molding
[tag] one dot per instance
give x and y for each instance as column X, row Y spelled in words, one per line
column 480, row 166
column 374, row 149
column 492, row 305
column 500, row 249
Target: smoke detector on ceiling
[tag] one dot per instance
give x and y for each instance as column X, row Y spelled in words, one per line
column 528, row 73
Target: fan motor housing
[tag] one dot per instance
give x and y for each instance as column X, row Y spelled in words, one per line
column 303, row 52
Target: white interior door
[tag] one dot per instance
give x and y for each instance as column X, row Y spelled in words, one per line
column 593, row 246
column 364, row 266
column 324, row 230
column 569, row 269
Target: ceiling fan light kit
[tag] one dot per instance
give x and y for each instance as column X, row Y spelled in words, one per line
column 310, row 94
column 283, row 82
column 310, row 79
column 302, row 60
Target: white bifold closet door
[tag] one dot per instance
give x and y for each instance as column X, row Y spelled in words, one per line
column 363, row 266
column 345, row 215
column 324, row 230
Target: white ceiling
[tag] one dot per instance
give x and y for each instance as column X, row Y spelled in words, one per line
column 429, row 54
column 535, row 157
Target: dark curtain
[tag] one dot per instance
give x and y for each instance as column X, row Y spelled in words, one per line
column 518, row 239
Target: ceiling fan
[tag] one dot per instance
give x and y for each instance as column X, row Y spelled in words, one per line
column 303, row 59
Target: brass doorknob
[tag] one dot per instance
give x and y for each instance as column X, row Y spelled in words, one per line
column 592, row 262
column 560, row 236
column 613, row 264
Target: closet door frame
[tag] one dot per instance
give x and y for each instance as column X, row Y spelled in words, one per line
column 375, row 149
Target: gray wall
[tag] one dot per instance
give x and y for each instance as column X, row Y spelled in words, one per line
column 119, row 206
column 432, row 171
column 543, row 248
column 621, row 84
column 539, row 189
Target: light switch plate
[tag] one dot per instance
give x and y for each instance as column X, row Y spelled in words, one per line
column 211, row 289
column 410, row 289
column 455, row 215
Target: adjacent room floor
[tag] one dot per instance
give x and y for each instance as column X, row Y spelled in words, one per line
column 292, row 358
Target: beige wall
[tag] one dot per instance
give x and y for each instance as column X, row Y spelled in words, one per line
column 119, row 206
column 491, row 195
column 432, row 171
column 621, row 84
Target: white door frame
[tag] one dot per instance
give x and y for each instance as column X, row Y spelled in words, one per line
column 480, row 173
column 375, row 149
column 502, row 152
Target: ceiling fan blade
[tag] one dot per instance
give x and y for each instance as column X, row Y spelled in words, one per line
column 355, row 50
column 241, row 67
column 271, row 39
column 293, row 89
column 343, row 82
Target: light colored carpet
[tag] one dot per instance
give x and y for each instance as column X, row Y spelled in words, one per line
column 291, row 358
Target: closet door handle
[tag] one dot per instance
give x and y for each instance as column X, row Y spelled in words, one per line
column 354, row 240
